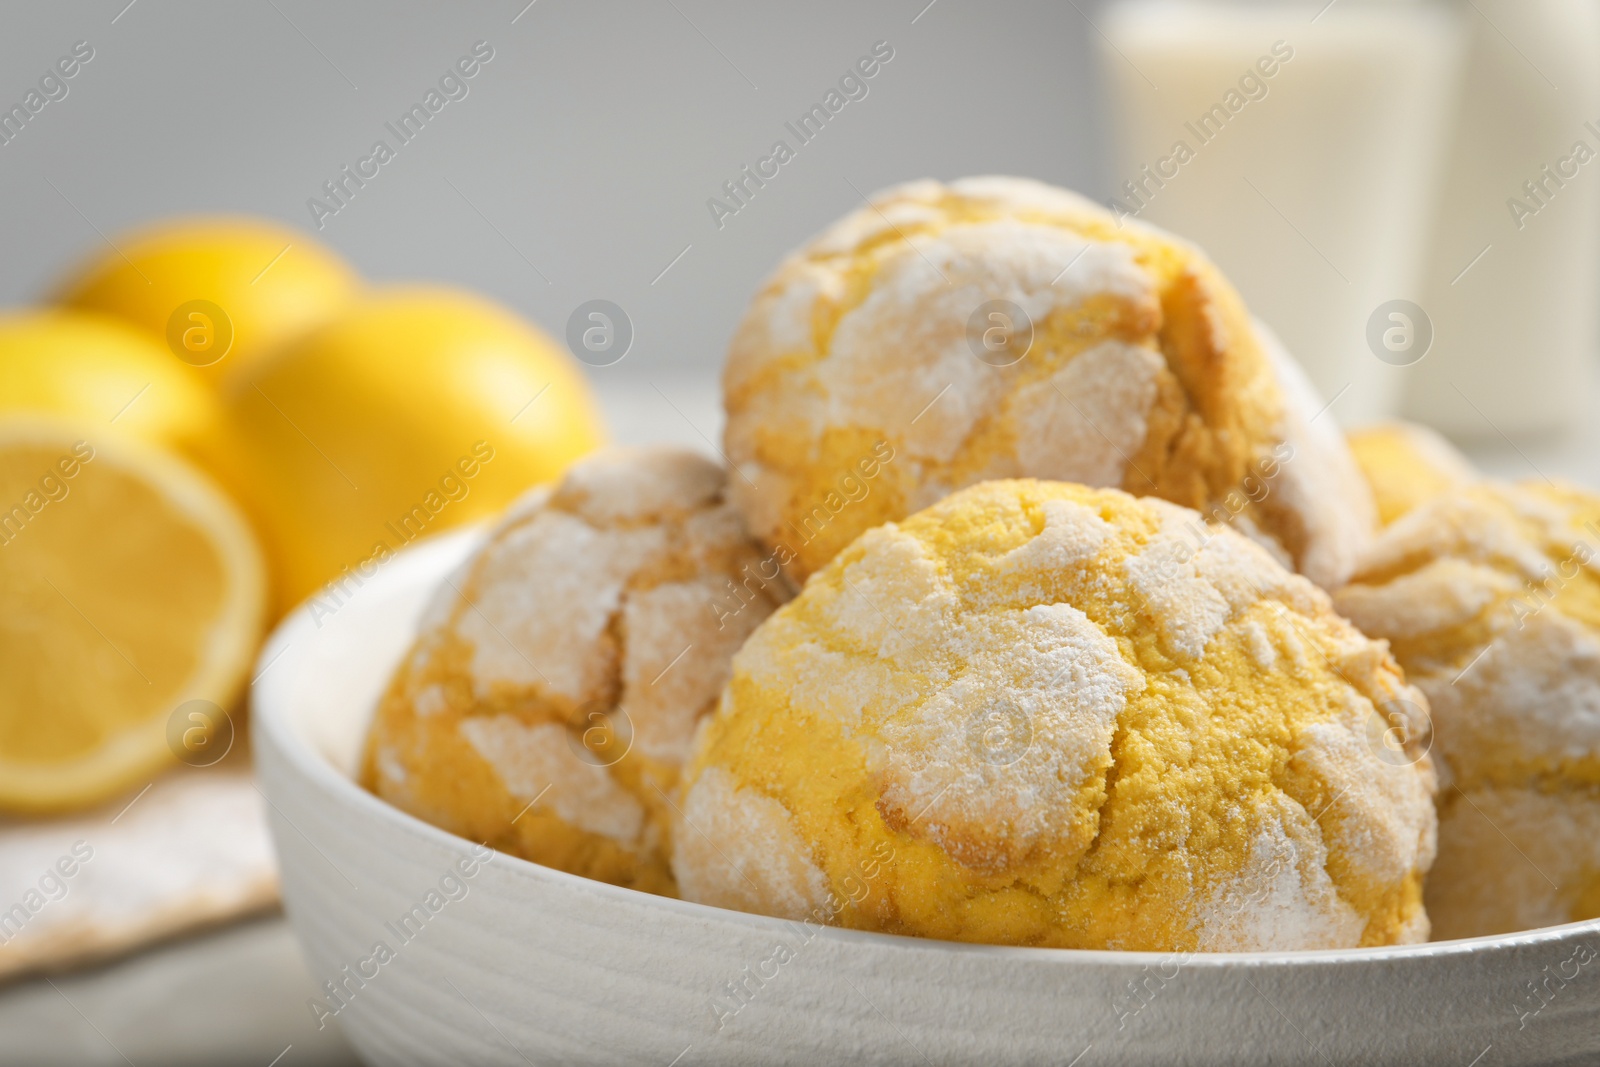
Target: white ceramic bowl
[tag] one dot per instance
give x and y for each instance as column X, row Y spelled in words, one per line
column 520, row 964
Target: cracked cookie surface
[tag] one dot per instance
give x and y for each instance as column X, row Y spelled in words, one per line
column 1142, row 371
column 550, row 700
column 1490, row 597
column 1037, row 713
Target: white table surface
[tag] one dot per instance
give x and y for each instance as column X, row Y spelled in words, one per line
column 238, row 994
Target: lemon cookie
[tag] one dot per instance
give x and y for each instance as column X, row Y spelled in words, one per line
column 996, row 327
column 1406, row 465
column 551, row 698
column 1490, row 598
column 1041, row 714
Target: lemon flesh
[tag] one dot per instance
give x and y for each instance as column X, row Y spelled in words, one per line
column 130, row 586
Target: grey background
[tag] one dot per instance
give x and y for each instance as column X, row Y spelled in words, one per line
column 590, row 142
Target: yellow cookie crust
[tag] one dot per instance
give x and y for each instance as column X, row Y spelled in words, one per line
column 1041, row 714
column 550, row 701
column 1406, row 465
column 1490, row 598
column 855, row 396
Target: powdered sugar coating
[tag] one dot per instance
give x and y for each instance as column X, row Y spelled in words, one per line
column 1490, row 597
column 536, row 762
column 732, row 837
column 1515, row 858
column 1072, row 717
column 1282, row 898
column 554, row 690
column 1038, row 702
column 1083, row 422
column 1143, row 372
column 553, row 558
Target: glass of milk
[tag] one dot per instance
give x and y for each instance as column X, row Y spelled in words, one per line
column 1513, row 274
column 1300, row 145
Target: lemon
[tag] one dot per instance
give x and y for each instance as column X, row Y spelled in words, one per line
column 132, row 587
column 102, row 372
column 413, row 410
column 219, row 292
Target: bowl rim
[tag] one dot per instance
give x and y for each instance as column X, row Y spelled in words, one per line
column 271, row 726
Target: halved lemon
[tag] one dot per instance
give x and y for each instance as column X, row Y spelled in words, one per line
column 129, row 587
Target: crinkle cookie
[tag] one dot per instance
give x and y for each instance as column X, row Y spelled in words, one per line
column 1490, row 598
column 1407, row 465
column 995, row 328
column 550, row 701
column 1041, row 714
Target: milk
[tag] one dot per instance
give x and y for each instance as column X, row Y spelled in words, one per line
column 1311, row 139
column 1517, row 328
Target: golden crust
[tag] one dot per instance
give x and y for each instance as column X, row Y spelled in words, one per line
column 549, row 702
column 1037, row 713
column 1144, row 372
column 1407, row 465
column 1514, row 858
column 1490, row 598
